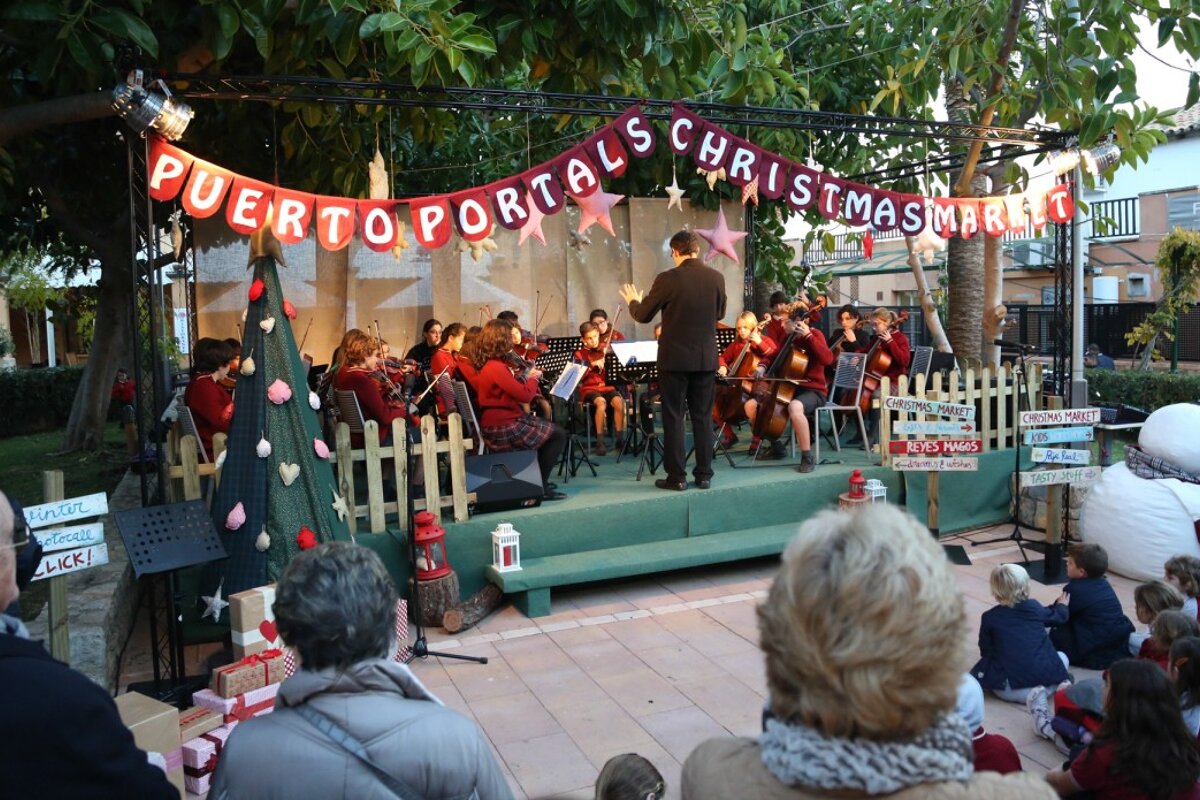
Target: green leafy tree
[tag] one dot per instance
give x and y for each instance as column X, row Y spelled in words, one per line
column 1178, row 264
column 29, row 290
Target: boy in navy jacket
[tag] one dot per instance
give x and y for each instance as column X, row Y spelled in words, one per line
column 1096, row 632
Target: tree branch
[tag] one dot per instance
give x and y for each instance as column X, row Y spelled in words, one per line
column 1008, row 41
column 17, row 121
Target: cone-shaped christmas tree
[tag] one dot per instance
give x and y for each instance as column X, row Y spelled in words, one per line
column 277, row 492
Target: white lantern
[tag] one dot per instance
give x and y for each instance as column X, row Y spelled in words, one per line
column 506, row 548
column 877, row 491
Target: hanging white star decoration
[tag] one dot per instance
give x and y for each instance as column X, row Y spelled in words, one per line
column 720, row 239
column 214, row 604
column 339, row 505
column 712, row 177
column 674, row 192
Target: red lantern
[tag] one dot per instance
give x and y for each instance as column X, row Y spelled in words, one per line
column 858, row 484
column 430, row 539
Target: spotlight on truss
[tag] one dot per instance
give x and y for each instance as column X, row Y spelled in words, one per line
column 147, row 110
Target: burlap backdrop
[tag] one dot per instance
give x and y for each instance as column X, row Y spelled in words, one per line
column 355, row 287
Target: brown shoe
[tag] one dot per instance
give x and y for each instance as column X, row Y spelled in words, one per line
column 598, row 449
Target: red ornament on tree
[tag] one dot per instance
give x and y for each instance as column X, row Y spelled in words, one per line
column 256, row 290
column 289, row 310
column 307, row 539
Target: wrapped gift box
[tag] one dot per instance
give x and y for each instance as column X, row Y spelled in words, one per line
column 200, row 758
column 252, row 672
column 196, row 722
column 155, row 729
column 252, row 621
column 239, row 708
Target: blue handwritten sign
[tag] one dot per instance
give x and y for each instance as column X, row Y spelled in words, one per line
column 60, row 511
column 1059, row 435
column 66, row 538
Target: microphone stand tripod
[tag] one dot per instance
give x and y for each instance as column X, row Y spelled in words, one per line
column 1022, row 404
column 420, row 648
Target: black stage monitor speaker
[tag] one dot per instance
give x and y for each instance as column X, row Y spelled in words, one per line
column 502, row 481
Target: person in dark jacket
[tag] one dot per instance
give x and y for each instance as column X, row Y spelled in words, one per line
column 1096, row 632
column 692, row 300
column 62, row 735
column 1015, row 652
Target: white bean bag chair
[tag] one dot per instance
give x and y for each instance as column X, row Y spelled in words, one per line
column 1142, row 522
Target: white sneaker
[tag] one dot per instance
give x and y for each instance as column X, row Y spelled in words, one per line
column 1039, row 710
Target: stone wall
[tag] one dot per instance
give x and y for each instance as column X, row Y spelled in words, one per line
column 1032, row 510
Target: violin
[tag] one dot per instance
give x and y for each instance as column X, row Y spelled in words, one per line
column 784, row 376
column 522, row 367
column 529, row 348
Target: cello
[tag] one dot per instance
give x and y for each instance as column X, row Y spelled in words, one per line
column 783, row 378
column 728, row 405
column 878, row 362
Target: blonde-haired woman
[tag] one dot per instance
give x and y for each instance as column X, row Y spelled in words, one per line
column 1015, row 651
column 864, row 635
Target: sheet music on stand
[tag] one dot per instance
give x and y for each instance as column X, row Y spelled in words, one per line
column 558, row 353
column 635, row 362
column 725, row 337
column 568, row 381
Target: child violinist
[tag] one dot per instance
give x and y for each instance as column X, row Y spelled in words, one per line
column 752, row 342
column 810, row 392
column 360, row 359
column 443, row 367
column 891, row 341
column 594, row 389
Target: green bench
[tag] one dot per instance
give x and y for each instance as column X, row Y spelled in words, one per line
column 530, row 586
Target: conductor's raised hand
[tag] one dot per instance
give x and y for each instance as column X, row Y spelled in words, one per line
column 630, row 293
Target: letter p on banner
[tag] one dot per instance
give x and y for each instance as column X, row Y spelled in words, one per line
column 431, row 221
column 168, row 169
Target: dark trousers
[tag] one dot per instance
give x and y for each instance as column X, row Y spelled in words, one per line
column 696, row 389
column 550, row 451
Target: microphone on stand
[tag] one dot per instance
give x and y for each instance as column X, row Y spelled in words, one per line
column 1007, row 345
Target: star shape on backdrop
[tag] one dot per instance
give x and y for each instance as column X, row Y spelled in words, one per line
column 676, row 195
column 720, row 239
column 533, row 225
column 712, row 177
column 595, row 208
column 339, row 505
column 750, row 192
column 214, row 604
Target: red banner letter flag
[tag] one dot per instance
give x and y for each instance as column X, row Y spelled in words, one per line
column 605, row 151
column 636, row 131
column 544, row 189
column 249, row 202
column 577, row 172
column 742, row 166
column 685, row 126
column 292, row 215
column 206, row 187
column 1060, row 207
column 471, row 215
column 379, row 228
column 168, row 167
column 508, row 203
column 431, row 221
column 335, row 222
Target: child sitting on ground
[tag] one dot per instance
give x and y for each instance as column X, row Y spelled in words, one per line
column 1149, row 599
column 1096, row 632
column 1015, row 652
column 630, row 777
column 993, row 752
column 1167, row 627
column 1185, row 672
column 1183, row 572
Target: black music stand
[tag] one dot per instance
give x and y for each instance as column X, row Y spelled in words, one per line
column 634, row 374
column 166, row 539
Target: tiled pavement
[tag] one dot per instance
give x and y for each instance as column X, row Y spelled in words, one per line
column 653, row 666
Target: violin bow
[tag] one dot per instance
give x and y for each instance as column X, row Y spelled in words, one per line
column 612, row 326
column 304, row 338
column 537, row 322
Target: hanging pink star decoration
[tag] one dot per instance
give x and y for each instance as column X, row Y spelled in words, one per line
column 533, row 225
column 750, row 192
column 596, row 207
column 720, row 239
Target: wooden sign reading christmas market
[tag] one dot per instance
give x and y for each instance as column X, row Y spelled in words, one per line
column 914, row 405
column 1062, row 416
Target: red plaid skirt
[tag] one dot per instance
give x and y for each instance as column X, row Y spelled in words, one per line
column 525, row 433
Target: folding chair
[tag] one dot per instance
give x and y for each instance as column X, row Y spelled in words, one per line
column 187, row 424
column 349, row 410
column 462, row 399
column 848, row 375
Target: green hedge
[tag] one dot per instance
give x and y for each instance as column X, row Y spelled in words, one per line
column 1148, row 390
column 35, row 400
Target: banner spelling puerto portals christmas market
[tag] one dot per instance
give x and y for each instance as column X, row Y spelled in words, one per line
column 205, row 188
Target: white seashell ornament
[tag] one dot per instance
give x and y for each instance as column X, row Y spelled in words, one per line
column 247, row 367
column 263, row 448
column 314, row 401
column 263, row 541
column 236, row 517
column 267, row 324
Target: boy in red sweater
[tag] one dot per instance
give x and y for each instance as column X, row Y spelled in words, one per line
column 810, row 392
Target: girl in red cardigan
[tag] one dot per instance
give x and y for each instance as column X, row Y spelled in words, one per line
column 503, row 423
column 211, row 405
column 360, row 364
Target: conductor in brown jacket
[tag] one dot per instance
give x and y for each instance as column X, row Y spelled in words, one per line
column 691, row 298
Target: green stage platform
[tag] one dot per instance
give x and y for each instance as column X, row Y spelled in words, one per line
column 613, row 525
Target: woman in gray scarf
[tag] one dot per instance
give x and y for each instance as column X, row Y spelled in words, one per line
column 865, row 638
